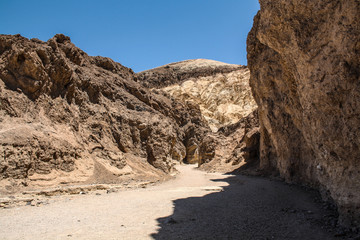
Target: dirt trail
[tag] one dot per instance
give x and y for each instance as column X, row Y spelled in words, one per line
column 194, row 205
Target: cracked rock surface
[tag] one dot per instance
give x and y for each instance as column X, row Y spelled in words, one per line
column 66, row 117
column 304, row 62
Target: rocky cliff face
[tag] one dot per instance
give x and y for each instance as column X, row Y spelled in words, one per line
column 221, row 90
column 304, row 62
column 223, row 93
column 68, row 117
column 233, row 147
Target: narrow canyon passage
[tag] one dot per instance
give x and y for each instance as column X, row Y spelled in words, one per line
column 194, row 205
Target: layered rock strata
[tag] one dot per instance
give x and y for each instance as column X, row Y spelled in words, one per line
column 68, row 117
column 221, row 90
column 304, row 62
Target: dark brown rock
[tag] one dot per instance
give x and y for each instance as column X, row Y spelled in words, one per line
column 176, row 73
column 304, row 62
column 69, row 117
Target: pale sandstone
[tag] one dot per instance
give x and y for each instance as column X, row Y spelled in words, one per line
column 221, row 90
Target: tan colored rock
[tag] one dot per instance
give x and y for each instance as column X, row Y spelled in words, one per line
column 221, row 90
column 233, row 147
column 304, row 62
column 66, row 117
column 223, row 93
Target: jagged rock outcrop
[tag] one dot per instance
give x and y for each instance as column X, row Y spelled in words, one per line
column 304, row 62
column 232, row 147
column 221, row 90
column 69, row 117
column 223, row 93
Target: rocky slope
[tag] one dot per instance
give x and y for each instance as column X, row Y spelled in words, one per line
column 67, row 117
column 304, row 62
column 221, row 90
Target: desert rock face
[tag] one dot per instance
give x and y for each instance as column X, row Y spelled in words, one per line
column 223, row 93
column 233, row 147
column 304, row 63
column 69, row 117
column 221, row 90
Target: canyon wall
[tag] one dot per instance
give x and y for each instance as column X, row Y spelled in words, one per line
column 304, row 59
column 221, row 90
column 67, row 117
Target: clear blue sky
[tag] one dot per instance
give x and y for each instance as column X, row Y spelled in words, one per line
column 140, row 34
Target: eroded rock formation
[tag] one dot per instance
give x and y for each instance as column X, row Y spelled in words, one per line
column 221, row 90
column 304, row 62
column 232, row 147
column 69, row 117
column 223, row 93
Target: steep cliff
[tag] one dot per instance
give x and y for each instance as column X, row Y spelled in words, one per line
column 223, row 93
column 221, row 90
column 304, row 62
column 68, row 117
column 232, row 147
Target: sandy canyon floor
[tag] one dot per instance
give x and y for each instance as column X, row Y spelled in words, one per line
column 194, row 205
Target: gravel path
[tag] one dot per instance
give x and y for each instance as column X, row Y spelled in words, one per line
column 194, row 205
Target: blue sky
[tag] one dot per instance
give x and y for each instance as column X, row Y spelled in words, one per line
column 140, row 34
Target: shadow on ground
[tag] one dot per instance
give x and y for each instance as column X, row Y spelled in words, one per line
column 250, row 208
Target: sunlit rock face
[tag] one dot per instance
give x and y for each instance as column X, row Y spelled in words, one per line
column 67, row 117
column 304, row 62
column 221, row 90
